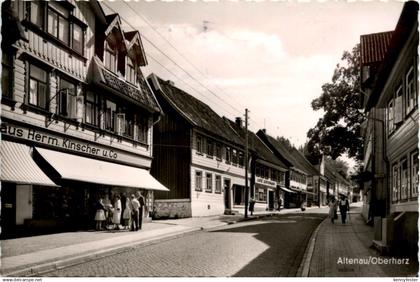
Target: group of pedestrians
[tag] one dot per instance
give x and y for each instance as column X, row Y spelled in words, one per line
column 109, row 215
column 342, row 204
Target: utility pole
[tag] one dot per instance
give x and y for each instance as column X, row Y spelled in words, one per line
column 246, row 164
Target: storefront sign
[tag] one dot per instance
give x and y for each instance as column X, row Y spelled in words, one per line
column 69, row 144
column 265, row 181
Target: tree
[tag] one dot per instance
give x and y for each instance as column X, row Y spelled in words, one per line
column 338, row 131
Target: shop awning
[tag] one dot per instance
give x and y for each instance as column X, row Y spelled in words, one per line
column 18, row 166
column 287, row 190
column 83, row 169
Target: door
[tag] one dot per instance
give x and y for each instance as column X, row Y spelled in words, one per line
column 238, row 194
column 226, row 189
column 270, row 200
column 8, row 209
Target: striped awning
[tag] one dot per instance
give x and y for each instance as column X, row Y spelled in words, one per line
column 286, row 190
column 18, row 166
column 83, row 169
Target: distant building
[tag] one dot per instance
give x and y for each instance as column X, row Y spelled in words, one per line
column 391, row 154
column 197, row 155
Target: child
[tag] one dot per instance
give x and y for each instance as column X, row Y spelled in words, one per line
column 100, row 214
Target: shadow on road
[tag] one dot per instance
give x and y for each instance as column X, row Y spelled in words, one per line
column 286, row 241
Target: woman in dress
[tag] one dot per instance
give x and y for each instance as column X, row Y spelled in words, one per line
column 127, row 214
column 333, row 208
column 100, row 214
column 116, row 217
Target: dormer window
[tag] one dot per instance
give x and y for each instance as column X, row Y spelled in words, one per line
column 110, row 58
column 131, row 74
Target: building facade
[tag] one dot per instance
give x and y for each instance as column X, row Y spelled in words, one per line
column 395, row 93
column 77, row 114
column 197, row 156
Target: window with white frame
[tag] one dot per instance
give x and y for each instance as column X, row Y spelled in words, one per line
column 209, row 148
column 390, row 117
column 398, row 106
column 199, row 144
column 110, row 57
column 228, row 155
column 66, row 97
column 198, row 181
column 414, row 174
column 395, row 183
column 218, row 184
column 142, row 129
column 110, row 115
column 131, row 74
column 404, row 179
column 58, row 22
column 91, row 108
column 410, row 91
column 38, row 87
column 209, row 182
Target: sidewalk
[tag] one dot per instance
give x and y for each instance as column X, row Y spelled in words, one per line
column 38, row 254
column 336, row 244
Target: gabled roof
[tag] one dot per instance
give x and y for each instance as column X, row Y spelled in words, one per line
column 373, row 47
column 133, row 37
column 195, row 112
column 407, row 23
column 114, row 21
column 306, row 166
column 256, row 145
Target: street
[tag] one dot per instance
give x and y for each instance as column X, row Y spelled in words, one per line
column 270, row 247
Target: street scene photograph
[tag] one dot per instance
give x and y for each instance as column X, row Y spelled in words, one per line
column 209, row 139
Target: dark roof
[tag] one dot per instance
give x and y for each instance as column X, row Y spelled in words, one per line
column 407, row 22
column 304, row 163
column 256, row 145
column 197, row 113
column 130, row 35
column 373, row 47
column 110, row 18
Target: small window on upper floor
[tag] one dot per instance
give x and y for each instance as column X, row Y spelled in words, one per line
column 54, row 18
column 410, row 91
column 110, row 57
column 131, row 74
column 38, row 87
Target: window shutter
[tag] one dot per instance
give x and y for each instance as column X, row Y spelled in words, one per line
column 71, row 105
column 79, row 112
column 398, row 110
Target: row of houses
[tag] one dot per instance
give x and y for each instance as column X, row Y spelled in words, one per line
column 389, row 81
column 81, row 122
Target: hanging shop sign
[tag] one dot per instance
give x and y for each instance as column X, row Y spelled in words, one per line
column 71, row 144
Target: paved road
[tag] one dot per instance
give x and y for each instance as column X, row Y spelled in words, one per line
column 271, row 247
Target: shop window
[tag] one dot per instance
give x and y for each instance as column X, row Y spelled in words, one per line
column 38, row 87
column 414, row 174
column 199, row 144
column 209, row 182
column 390, row 117
column 131, row 74
column 395, row 183
column 198, row 181
column 110, row 58
column 404, row 179
column 218, row 187
column 209, row 148
column 91, row 108
column 228, row 155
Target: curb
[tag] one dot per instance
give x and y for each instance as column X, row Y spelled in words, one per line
column 48, row 266
column 303, row 270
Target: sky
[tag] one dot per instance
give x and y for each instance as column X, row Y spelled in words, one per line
column 271, row 57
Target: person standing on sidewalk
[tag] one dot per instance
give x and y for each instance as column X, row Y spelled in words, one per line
column 140, row 198
column 127, row 214
column 344, row 207
column 100, row 214
column 332, row 204
column 116, row 217
column 134, row 205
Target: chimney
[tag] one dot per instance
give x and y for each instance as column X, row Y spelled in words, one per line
column 171, row 82
column 264, row 131
column 238, row 122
